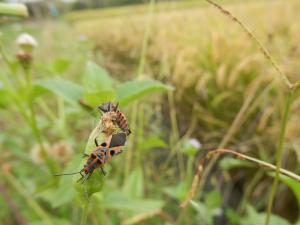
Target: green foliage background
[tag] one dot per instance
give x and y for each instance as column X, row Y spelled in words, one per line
column 196, row 84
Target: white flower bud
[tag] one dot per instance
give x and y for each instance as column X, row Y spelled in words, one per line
column 26, row 42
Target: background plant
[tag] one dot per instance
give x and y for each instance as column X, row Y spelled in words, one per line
column 220, row 81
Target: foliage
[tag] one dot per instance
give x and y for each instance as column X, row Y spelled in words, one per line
column 200, row 72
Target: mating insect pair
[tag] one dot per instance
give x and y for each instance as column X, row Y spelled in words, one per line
column 100, row 156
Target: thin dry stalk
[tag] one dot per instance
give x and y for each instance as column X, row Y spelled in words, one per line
column 217, row 152
column 140, row 217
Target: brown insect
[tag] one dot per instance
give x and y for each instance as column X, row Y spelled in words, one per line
column 119, row 119
column 100, row 156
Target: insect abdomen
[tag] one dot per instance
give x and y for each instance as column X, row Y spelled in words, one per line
column 122, row 122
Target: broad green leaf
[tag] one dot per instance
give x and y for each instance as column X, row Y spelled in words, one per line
column 231, row 163
column 134, row 186
column 152, row 142
column 134, row 89
column 96, row 79
column 60, row 65
column 254, row 218
column 292, row 184
column 68, row 90
column 213, row 200
column 203, row 212
column 95, row 98
column 116, row 200
column 233, row 216
column 178, row 192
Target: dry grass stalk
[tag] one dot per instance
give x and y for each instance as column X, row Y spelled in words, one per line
column 254, row 38
column 217, row 152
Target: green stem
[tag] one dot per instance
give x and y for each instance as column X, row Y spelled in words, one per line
column 141, row 68
column 13, row 9
column 85, row 213
column 29, row 199
column 33, row 121
column 146, row 39
column 279, row 155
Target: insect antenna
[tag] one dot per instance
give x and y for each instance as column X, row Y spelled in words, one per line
column 62, row 174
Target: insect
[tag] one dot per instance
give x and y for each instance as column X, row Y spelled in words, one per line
column 119, row 118
column 100, row 156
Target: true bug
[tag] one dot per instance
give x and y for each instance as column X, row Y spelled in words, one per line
column 119, row 118
column 101, row 155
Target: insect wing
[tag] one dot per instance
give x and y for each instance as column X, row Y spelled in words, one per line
column 118, row 139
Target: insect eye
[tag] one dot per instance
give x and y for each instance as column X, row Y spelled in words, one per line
column 112, row 152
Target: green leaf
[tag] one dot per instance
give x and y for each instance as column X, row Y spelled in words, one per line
column 152, row 142
column 254, row 218
column 5, row 99
column 178, row 192
column 231, row 163
column 116, row 200
column 60, row 221
column 60, row 65
column 58, row 196
column 233, row 216
column 96, row 79
column 98, row 85
column 132, row 90
column 94, row 99
column 134, row 186
column 68, row 90
column 291, row 183
column 213, row 200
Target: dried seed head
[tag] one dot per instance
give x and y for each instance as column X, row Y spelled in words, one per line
column 61, row 151
column 26, row 45
column 24, row 59
column 37, row 155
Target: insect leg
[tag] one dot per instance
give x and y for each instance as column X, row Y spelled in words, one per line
column 104, row 172
column 96, row 142
column 82, row 176
column 85, row 178
column 85, row 155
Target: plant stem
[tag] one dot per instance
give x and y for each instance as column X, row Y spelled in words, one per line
column 217, row 152
column 13, row 9
column 85, row 212
column 141, row 68
column 29, row 199
column 252, row 37
column 279, row 154
column 146, row 39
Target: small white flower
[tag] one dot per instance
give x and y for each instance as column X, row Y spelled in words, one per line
column 195, row 143
column 191, row 146
column 26, row 40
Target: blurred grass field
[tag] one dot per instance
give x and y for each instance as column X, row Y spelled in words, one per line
column 226, row 95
